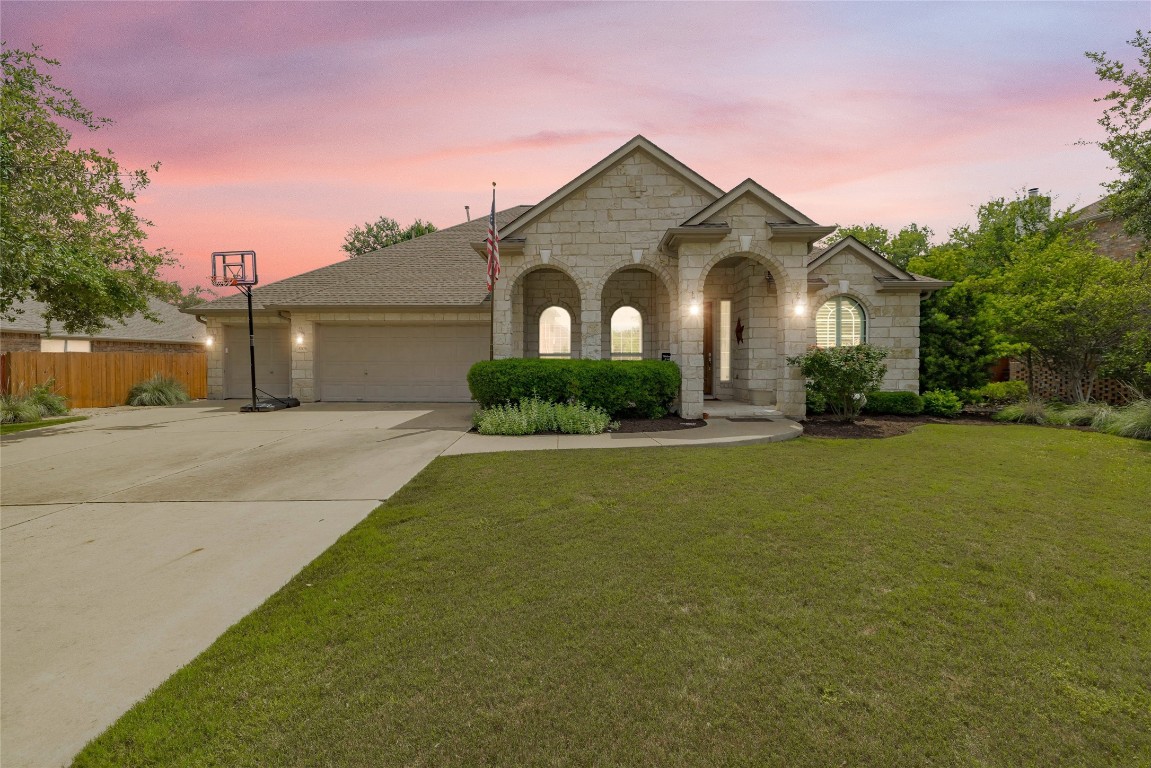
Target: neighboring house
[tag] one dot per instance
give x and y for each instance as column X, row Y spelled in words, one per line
column 1107, row 232
column 176, row 332
column 638, row 257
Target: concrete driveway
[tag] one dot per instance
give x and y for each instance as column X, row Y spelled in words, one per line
column 132, row 540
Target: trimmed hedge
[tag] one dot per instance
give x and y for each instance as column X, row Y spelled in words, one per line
column 644, row 388
column 894, row 403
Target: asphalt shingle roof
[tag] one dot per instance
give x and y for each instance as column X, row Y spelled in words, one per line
column 437, row 269
column 174, row 326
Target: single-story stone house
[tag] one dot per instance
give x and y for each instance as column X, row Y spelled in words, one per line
column 637, row 257
column 173, row 332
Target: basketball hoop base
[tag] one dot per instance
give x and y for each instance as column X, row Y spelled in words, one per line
column 270, row 404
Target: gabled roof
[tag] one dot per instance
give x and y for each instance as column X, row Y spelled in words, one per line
column 437, row 269
column 1089, row 213
column 636, row 144
column 173, row 328
column 753, row 188
column 819, row 258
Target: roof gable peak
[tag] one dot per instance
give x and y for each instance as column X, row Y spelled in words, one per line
column 751, row 187
column 637, row 143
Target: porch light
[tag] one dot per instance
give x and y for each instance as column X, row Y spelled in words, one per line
column 209, row 341
column 695, row 309
column 800, row 307
column 300, row 339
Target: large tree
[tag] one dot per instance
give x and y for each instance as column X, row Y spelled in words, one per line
column 381, row 233
column 1128, row 139
column 70, row 236
column 910, row 242
column 1076, row 309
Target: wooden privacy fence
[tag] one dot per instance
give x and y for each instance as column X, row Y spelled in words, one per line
column 100, row 379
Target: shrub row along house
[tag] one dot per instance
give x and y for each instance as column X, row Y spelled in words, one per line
column 638, row 257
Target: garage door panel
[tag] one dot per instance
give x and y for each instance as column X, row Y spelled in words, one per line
column 398, row 363
column 273, row 362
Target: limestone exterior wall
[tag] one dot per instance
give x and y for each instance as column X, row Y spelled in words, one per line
column 891, row 317
column 613, row 222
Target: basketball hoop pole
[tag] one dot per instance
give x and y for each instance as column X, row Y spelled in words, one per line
column 247, row 289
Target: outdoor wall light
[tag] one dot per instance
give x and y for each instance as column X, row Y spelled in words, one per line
column 800, row 308
column 209, row 341
column 299, row 338
column 695, row 309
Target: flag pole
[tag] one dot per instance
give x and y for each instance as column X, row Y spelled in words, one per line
column 494, row 278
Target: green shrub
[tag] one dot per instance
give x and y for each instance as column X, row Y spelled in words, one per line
column 1027, row 412
column 645, row 388
column 894, row 403
column 532, row 415
column 158, row 390
column 942, row 402
column 17, row 409
column 1079, row 415
column 998, row 393
column 1132, row 420
column 843, row 375
column 47, row 400
column 816, row 402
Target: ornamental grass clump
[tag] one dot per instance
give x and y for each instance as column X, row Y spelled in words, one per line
column 158, row 390
column 1080, row 415
column 16, row 409
column 1027, row 412
column 48, row 400
column 1132, row 420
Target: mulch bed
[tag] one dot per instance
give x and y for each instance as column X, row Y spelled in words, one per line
column 668, row 423
column 869, row 426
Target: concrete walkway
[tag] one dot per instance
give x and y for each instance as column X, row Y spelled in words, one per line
column 132, row 540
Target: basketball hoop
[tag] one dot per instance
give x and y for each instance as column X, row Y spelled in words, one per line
column 236, row 269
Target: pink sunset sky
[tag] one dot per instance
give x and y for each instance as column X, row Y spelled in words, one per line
column 281, row 125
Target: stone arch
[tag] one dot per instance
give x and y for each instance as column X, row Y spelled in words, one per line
column 765, row 259
column 533, row 289
column 534, row 264
column 659, row 270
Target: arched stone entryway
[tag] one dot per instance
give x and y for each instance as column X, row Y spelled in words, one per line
column 534, row 291
column 642, row 288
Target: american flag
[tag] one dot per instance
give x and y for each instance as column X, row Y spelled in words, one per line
column 493, row 242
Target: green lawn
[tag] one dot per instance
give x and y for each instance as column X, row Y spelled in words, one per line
column 6, row 429
column 963, row 595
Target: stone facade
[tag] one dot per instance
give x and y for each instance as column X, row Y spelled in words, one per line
column 599, row 248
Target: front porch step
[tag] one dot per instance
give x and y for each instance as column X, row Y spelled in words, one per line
column 729, row 409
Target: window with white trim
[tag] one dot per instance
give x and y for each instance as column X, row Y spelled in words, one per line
column 839, row 323
column 626, row 334
column 556, row 333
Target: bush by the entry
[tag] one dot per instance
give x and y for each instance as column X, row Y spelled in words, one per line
column 894, row 403
column 645, row 388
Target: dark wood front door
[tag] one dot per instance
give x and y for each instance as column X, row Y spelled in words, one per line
column 708, row 368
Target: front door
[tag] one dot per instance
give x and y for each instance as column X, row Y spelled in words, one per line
column 708, row 368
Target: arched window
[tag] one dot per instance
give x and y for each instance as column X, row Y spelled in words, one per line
column 555, row 333
column 839, row 323
column 626, row 334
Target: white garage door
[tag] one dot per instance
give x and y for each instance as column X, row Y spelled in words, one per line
column 273, row 362
column 377, row 363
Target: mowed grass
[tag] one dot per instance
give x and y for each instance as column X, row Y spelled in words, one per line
column 962, row 595
column 7, row 429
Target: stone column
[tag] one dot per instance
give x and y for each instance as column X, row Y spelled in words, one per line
column 794, row 336
column 506, row 316
column 590, row 325
column 690, row 357
column 303, row 341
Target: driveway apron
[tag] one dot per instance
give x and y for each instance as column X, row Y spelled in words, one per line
column 132, row 540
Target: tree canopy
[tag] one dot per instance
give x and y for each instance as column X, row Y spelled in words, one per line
column 1128, row 140
column 381, row 233
column 70, row 236
column 910, row 242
